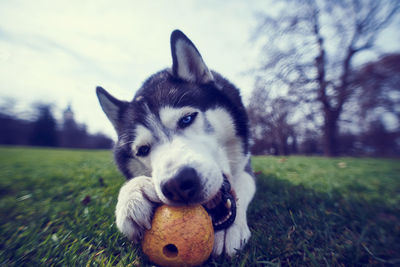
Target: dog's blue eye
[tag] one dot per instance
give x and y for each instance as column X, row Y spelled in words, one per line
column 143, row 151
column 187, row 120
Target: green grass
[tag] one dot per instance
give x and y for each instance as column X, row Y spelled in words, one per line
column 306, row 212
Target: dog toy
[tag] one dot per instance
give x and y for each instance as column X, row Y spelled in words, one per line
column 179, row 236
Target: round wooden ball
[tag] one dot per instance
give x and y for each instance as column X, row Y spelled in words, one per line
column 179, row 236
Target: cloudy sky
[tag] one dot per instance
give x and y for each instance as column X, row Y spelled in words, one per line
column 59, row 51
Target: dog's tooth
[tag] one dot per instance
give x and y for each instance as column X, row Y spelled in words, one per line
column 228, row 204
column 227, row 216
column 224, row 219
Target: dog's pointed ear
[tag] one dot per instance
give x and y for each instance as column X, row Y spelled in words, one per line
column 111, row 106
column 187, row 63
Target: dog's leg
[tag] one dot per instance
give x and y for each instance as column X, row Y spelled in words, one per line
column 237, row 235
column 134, row 210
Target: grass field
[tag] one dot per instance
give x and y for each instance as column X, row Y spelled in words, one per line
column 57, row 208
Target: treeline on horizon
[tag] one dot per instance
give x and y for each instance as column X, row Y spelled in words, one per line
column 44, row 130
column 279, row 137
column 369, row 124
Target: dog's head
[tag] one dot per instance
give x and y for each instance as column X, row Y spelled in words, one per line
column 179, row 129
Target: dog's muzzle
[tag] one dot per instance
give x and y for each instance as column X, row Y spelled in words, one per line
column 222, row 208
column 184, row 188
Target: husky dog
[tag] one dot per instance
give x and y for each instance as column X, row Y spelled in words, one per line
column 183, row 140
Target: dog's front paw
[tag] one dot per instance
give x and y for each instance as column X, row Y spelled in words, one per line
column 136, row 201
column 231, row 240
column 236, row 237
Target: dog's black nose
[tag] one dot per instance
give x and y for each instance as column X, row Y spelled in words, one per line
column 184, row 187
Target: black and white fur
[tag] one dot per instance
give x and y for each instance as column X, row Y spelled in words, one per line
column 184, row 131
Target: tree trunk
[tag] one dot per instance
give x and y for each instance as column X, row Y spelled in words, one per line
column 331, row 133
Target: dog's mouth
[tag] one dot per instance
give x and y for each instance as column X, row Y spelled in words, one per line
column 222, row 208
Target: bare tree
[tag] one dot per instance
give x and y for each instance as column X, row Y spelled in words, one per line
column 271, row 128
column 309, row 51
column 378, row 89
